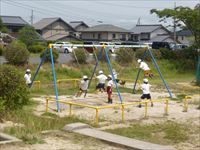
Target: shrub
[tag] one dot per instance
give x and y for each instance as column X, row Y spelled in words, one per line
column 36, row 48
column 125, row 55
column 13, row 90
column 140, row 53
column 48, row 56
column 167, row 54
column 80, row 54
column 16, row 53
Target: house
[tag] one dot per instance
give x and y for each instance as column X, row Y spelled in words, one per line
column 78, row 26
column 185, row 37
column 13, row 24
column 104, row 32
column 151, row 33
column 54, row 29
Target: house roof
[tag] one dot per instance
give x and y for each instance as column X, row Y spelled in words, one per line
column 47, row 21
column 75, row 24
column 160, row 38
column 184, row 33
column 58, row 37
column 146, row 28
column 105, row 28
column 13, row 20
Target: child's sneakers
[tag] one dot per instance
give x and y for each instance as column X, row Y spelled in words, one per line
column 139, row 105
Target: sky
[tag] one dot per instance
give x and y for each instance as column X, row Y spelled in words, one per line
column 123, row 13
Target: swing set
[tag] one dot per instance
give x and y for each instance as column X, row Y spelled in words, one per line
column 102, row 49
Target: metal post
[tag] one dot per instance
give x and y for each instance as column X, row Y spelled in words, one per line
column 138, row 74
column 146, row 108
column 167, row 106
column 95, row 67
column 161, row 76
column 42, row 60
column 54, row 79
column 122, row 112
column 113, row 77
column 47, row 104
column 97, row 117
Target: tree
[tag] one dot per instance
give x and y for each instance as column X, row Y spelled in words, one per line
column 2, row 27
column 28, row 35
column 16, row 53
column 188, row 16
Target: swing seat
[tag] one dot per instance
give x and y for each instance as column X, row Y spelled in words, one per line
column 89, row 49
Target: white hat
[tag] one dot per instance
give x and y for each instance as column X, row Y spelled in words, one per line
column 100, row 72
column 145, row 80
column 110, row 76
column 28, row 70
column 139, row 60
column 85, row 77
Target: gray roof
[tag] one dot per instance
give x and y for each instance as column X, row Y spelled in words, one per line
column 160, row 38
column 105, row 28
column 146, row 28
column 47, row 21
column 13, row 20
column 184, row 33
column 75, row 24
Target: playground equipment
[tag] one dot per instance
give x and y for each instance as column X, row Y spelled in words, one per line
column 103, row 49
column 148, row 50
column 119, row 106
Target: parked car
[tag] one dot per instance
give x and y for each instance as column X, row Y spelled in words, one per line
column 158, row 45
column 64, row 47
column 110, row 45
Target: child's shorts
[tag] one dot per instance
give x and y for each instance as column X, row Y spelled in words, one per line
column 100, row 86
column 147, row 96
column 147, row 72
column 109, row 90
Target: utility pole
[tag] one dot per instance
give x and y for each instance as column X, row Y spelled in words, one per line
column 0, row 7
column 175, row 26
column 138, row 22
column 31, row 17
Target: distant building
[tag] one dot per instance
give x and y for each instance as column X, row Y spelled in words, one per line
column 151, row 33
column 13, row 24
column 185, row 37
column 78, row 26
column 105, row 32
column 54, row 29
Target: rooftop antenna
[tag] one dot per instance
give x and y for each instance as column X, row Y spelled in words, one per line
column 138, row 21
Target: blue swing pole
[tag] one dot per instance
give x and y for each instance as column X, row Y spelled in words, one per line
column 94, row 70
column 41, row 62
column 54, row 78
column 110, row 68
column 138, row 74
column 161, row 76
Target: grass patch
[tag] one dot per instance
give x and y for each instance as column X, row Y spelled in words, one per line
column 32, row 125
column 165, row 133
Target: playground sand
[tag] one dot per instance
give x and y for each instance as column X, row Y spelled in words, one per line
column 110, row 119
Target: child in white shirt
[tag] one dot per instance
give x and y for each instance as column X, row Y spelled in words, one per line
column 83, row 86
column 27, row 77
column 101, row 81
column 145, row 67
column 145, row 87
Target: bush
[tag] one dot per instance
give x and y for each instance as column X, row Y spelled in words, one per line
column 125, row 55
column 13, row 90
column 80, row 54
column 167, row 54
column 16, row 53
column 48, row 56
column 36, row 48
column 140, row 53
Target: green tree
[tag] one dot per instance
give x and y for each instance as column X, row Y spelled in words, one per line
column 28, row 35
column 16, row 53
column 2, row 27
column 14, row 93
column 188, row 16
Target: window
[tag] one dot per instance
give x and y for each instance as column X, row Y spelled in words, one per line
column 113, row 35
column 123, row 37
column 93, row 35
column 99, row 36
column 145, row 36
column 182, row 37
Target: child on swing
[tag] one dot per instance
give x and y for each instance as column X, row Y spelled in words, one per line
column 145, row 67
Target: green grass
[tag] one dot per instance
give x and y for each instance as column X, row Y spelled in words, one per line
column 164, row 133
column 33, row 125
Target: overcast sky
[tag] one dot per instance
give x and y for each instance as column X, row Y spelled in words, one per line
column 124, row 13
